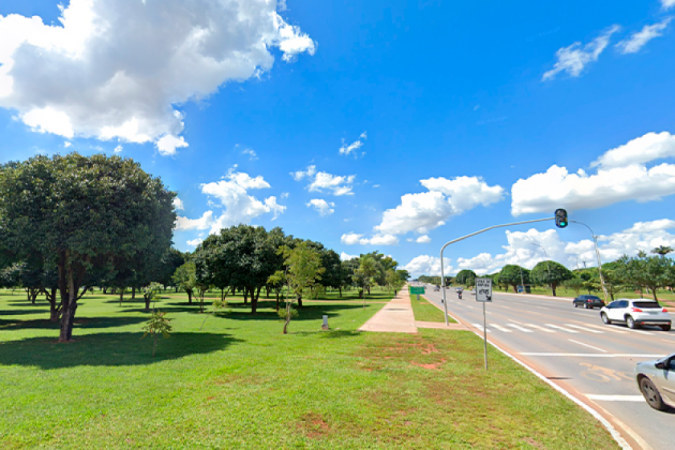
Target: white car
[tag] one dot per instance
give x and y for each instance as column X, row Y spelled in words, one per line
column 636, row 313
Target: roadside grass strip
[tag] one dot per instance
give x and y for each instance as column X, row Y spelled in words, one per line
column 234, row 381
column 425, row 311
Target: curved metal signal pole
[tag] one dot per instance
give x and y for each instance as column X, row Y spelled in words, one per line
column 443, row 283
column 597, row 254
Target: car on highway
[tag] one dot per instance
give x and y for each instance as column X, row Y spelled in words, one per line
column 588, row 302
column 656, row 380
column 437, row 288
column 636, row 313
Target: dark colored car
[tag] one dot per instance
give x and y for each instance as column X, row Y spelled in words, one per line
column 588, row 301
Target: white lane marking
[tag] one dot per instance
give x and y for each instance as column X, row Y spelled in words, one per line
column 616, row 398
column 589, row 346
column 608, row 328
column 539, row 328
column 560, row 328
column 583, row 328
column 500, row 328
column 480, row 327
column 666, row 340
column 596, row 355
column 642, row 332
column 517, row 327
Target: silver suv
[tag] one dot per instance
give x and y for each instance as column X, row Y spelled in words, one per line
column 636, row 313
column 656, row 380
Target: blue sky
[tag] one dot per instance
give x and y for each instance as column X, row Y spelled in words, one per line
column 366, row 125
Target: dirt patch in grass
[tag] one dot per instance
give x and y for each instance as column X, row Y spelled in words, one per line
column 314, row 426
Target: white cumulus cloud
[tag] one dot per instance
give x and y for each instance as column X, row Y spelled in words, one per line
column 446, row 198
column 239, row 206
column 348, row 149
column 345, row 257
column 527, row 248
column 428, row 265
column 621, row 176
column 323, row 207
column 378, row 239
column 575, row 58
column 423, row 239
column 638, row 40
column 115, row 69
column 326, row 182
column 178, row 204
column 351, row 238
column 667, row 4
column 195, row 242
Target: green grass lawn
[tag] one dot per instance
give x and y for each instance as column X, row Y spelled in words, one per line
column 237, row 382
column 426, row 312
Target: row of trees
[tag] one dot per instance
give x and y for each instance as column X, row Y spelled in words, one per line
column 69, row 223
column 249, row 259
column 642, row 273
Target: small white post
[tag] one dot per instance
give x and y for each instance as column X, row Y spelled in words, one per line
column 325, row 323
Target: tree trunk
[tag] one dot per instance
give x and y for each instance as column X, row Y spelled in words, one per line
column 267, row 292
column 121, row 295
column 147, row 302
column 288, row 317
column 133, row 292
column 654, row 293
column 105, row 290
column 245, row 296
column 69, row 285
column 189, row 293
column 299, row 301
column 254, row 301
column 553, row 288
column 515, row 289
column 340, row 288
column 54, row 311
column 277, row 301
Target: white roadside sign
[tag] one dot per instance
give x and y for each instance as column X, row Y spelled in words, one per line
column 483, row 289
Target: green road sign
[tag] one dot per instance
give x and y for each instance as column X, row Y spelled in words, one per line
column 417, row 290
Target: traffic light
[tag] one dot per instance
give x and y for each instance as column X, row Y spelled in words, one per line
column 561, row 218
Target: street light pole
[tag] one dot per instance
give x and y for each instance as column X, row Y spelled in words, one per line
column 597, row 254
column 445, row 302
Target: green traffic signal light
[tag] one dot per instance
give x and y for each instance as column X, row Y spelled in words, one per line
column 561, row 218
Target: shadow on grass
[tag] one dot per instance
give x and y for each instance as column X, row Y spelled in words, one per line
column 109, row 349
column 307, row 312
column 24, row 312
column 80, row 323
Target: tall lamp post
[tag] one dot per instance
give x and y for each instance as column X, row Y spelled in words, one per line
column 597, row 254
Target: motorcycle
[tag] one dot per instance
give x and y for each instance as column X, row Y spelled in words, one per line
column 459, row 295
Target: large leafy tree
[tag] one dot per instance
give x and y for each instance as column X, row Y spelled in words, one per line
column 551, row 273
column 80, row 213
column 242, row 257
column 514, row 276
column 466, row 277
column 185, row 278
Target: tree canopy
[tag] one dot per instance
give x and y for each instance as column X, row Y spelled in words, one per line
column 78, row 213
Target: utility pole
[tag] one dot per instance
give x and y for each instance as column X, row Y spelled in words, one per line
column 597, row 254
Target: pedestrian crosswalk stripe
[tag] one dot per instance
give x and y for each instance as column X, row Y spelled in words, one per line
column 560, row 328
column 540, row 328
column 480, row 327
column 608, row 328
column 513, row 325
column 583, row 328
column 500, row 328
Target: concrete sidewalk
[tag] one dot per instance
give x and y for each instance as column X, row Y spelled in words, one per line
column 396, row 317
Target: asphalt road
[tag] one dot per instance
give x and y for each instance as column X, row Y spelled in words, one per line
column 572, row 347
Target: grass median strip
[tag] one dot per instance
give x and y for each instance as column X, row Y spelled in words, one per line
column 425, row 311
column 237, row 382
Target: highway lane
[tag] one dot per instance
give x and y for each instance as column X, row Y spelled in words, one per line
column 572, row 347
